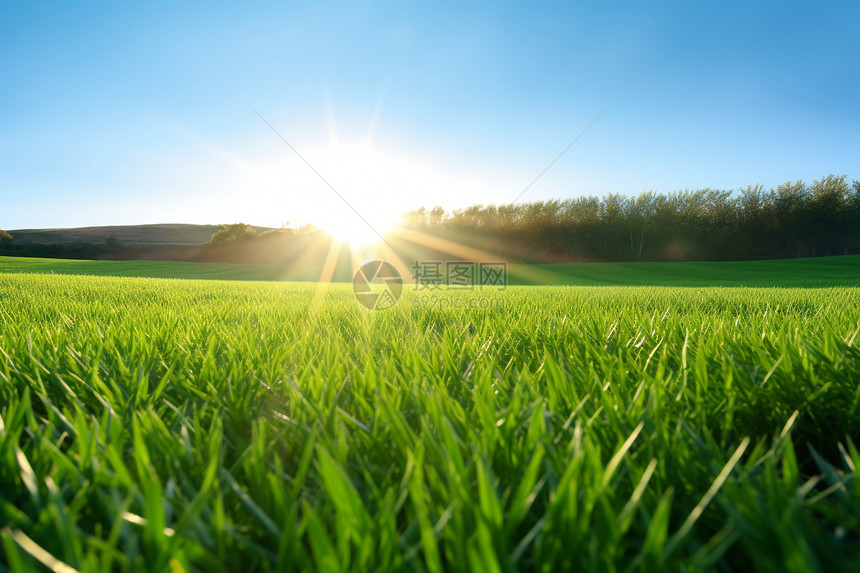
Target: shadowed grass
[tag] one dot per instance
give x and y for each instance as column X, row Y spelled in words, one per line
column 806, row 273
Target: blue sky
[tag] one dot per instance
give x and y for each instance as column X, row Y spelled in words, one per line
column 126, row 113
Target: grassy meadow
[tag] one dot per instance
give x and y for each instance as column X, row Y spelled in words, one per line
column 813, row 272
column 701, row 418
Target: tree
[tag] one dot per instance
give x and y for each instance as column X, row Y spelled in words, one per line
column 434, row 217
column 4, row 236
column 640, row 214
column 232, row 243
column 789, row 202
column 754, row 223
column 852, row 219
column 827, row 212
column 227, row 234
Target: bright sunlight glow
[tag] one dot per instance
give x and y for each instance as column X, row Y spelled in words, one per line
column 350, row 229
column 373, row 186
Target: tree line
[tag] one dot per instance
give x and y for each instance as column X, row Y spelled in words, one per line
column 792, row 220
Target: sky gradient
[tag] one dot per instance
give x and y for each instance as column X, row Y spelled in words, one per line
column 147, row 113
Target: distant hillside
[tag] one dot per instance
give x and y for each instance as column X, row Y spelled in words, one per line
column 161, row 234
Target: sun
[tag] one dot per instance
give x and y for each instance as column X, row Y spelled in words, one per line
column 357, row 192
column 361, row 204
column 353, row 231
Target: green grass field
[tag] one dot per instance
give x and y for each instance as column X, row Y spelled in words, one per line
column 195, row 425
column 809, row 273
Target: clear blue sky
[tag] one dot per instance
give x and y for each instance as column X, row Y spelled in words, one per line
column 113, row 113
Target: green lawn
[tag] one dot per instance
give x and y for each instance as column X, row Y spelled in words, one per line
column 196, row 425
column 817, row 272
column 147, row 269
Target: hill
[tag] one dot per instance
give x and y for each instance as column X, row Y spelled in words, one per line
column 157, row 234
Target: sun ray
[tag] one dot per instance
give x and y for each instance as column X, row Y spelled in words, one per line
column 294, row 270
column 375, row 116
column 385, row 252
column 471, row 254
column 331, row 121
column 323, row 283
column 331, row 259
